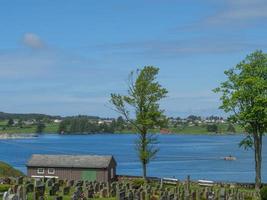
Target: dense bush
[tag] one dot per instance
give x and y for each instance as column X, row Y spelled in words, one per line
column 212, row 128
column 4, row 187
column 263, row 193
column 138, row 182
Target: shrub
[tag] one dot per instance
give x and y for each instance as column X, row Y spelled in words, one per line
column 212, row 128
column 138, row 182
column 4, row 187
column 263, row 193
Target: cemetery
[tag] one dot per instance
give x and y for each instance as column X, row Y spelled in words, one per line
column 24, row 188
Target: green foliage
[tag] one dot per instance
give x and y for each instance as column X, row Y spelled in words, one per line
column 193, row 117
column 4, row 187
column 263, row 193
column 7, row 171
column 144, row 94
column 244, row 96
column 247, row 142
column 10, row 122
column 83, row 124
column 231, row 128
column 244, row 93
column 40, row 127
column 137, row 182
column 212, row 128
column 120, row 123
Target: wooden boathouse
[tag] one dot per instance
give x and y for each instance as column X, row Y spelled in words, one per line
column 72, row 167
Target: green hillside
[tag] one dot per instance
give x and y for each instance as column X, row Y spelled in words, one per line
column 7, row 171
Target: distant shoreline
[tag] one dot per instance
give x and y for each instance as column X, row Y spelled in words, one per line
column 31, row 135
column 17, row 135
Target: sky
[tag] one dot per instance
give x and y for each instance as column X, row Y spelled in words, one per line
column 66, row 57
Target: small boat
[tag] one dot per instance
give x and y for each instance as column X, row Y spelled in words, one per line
column 229, row 158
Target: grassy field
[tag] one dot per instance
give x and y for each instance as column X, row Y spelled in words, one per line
column 49, row 128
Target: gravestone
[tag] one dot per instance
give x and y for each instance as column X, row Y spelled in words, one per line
column 12, row 197
column 120, row 195
column 29, row 188
column 89, row 193
column 49, row 182
column 60, row 182
column 19, row 180
column 55, row 187
column 104, row 193
column 222, row 194
column 21, row 193
column 66, row 190
column 130, row 195
column 52, row 192
column 70, row 183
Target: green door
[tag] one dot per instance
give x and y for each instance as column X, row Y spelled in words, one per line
column 89, row 175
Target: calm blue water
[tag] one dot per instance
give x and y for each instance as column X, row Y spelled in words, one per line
column 180, row 155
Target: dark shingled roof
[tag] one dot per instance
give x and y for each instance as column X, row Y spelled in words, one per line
column 70, row 161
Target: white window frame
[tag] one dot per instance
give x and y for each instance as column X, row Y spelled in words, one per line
column 40, row 170
column 51, row 171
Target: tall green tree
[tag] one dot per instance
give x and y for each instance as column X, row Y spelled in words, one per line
column 212, row 128
column 40, row 127
column 244, row 96
column 10, row 122
column 142, row 102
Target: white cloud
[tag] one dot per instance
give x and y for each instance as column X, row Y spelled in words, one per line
column 239, row 12
column 33, row 41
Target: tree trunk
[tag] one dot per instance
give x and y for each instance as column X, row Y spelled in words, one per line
column 144, row 170
column 258, row 157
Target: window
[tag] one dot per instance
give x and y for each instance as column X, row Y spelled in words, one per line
column 40, row 171
column 51, row 171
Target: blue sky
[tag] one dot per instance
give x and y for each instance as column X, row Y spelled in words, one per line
column 66, row 57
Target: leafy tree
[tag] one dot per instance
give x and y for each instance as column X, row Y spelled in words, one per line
column 244, row 95
column 231, row 128
column 263, row 193
column 212, row 128
column 63, row 126
column 144, row 94
column 20, row 123
column 10, row 122
column 40, row 127
column 193, row 118
column 84, row 124
column 120, row 123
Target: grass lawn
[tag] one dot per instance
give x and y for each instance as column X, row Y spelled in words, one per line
column 49, row 128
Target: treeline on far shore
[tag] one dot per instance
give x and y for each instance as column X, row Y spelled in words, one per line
column 84, row 124
column 37, row 123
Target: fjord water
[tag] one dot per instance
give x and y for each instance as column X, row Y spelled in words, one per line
column 180, row 155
